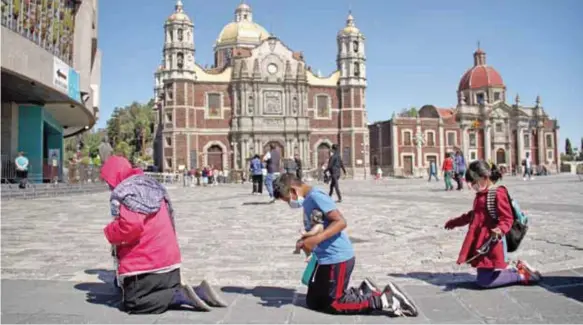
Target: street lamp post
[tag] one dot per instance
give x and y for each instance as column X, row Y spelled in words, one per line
column 233, row 152
column 380, row 138
column 364, row 152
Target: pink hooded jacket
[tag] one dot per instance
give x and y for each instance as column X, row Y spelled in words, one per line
column 145, row 243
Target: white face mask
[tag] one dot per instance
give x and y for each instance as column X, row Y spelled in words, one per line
column 296, row 204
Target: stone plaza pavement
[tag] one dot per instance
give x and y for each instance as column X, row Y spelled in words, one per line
column 55, row 260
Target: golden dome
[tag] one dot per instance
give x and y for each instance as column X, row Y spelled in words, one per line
column 178, row 14
column 350, row 26
column 242, row 31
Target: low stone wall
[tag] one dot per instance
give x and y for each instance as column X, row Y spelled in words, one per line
column 572, row 167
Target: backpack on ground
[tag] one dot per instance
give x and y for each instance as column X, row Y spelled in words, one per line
column 520, row 224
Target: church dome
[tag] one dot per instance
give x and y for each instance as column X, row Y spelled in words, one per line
column 480, row 75
column 178, row 15
column 350, row 27
column 243, row 29
column 242, row 32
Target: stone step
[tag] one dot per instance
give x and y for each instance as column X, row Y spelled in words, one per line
column 49, row 190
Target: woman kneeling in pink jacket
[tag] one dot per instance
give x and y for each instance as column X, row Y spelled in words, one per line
column 146, row 245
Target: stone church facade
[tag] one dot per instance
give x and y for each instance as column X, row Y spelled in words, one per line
column 482, row 124
column 258, row 92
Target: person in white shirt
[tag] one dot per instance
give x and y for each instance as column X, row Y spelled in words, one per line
column 527, row 164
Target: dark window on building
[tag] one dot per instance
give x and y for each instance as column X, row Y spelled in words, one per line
column 498, row 127
column 214, row 104
column 407, row 138
column 322, row 106
column 480, row 98
column 527, row 141
column 473, row 140
column 355, row 46
column 356, row 69
column 180, row 35
column 169, row 162
column 430, row 139
column 549, row 139
column 346, row 156
column 168, row 141
column 451, row 139
column 168, row 117
column 496, row 96
column 180, row 60
column 169, row 93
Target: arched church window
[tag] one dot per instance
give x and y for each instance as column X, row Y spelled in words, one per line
column 480, row 98
column 356, row 69
column 355, row 46
column 180, row 60
column 180, row 34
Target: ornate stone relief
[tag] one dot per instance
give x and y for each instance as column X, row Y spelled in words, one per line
column 251, row 104
column 295, row 105
column 274, row 122
column 272, row 103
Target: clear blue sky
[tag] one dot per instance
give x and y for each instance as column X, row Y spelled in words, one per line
column 417, row 50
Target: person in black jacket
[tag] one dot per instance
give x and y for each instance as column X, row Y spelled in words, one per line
column 334, row 166
column 299, row 172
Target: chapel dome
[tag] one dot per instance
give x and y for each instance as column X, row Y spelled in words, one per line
column 243, row 30
column 480, row 75
column 178, row 15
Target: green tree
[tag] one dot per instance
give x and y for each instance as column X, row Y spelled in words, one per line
column 131, row 125
column 568, row 148
column 408, row 112
column 123, row 149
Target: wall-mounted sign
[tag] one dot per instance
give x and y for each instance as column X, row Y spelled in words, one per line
column 61, row 75
column 74, row 87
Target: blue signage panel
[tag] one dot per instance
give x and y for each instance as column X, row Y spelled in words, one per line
column 74, row 86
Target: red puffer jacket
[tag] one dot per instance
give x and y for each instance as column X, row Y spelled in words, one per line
column 479, row 230
column 145, row 243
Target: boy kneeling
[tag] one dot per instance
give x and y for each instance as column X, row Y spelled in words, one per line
column 328, row 289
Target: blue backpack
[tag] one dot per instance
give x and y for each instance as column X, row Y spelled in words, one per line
column 520, row 225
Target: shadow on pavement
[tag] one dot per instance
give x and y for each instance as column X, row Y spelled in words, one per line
column 256, row 203
column 101, row 293
column 271, row 296
column 570, row 286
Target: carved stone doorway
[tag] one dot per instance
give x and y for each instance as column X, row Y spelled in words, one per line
column 278, row 146
column 500, row 156
column 323, row 154
column 215, row 157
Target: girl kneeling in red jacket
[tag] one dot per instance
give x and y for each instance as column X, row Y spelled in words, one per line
column 146, row 245
column 493, row 271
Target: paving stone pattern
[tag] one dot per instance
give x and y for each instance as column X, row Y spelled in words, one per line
column 55, row 260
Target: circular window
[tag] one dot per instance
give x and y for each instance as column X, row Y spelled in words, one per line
column 272, row 68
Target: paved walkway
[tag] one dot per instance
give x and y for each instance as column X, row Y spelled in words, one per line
column 55, row 259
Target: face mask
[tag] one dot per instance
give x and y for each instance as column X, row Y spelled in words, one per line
column 478, row 188
column 296, row 204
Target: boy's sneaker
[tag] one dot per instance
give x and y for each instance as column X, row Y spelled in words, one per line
column 196, row 301
column 529, row 274
column 367, row 287
column 209, row 295
column 395, row 301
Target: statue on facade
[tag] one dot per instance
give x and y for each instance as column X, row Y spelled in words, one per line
column 419, row 139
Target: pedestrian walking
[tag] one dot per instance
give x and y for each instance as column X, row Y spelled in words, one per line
column 335, row 165
column 255, row 169
column 433, row 171
column 527, row 164
column 459, row 169
column 447, row 169
column 272, row 160
column 299, row 171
